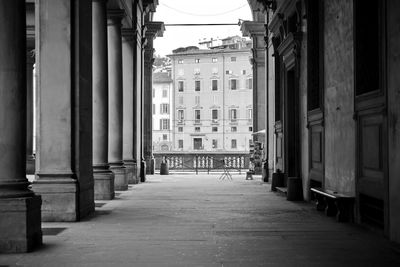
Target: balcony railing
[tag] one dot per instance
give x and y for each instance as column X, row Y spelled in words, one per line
column 203, row 161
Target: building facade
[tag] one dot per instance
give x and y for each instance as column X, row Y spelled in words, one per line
column 162, row 108
column 212, row 100
column 330, row 70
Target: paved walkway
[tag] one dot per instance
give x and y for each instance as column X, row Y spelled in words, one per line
column 189, row 220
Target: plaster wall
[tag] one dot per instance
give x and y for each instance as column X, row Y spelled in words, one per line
column 271, row 108
column 393, row 86
column 304, row 143
column 339, row 96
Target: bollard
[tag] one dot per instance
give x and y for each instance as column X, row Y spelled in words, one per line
column 265, row 173
column 277, row 180
column 143, row 171
column 164, row 170
column 294, row 189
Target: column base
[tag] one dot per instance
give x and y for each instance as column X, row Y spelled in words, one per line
column 30, row 165
column 142, row 172
column 86, row 199
column 103, row 185
column 60, row 198
column 150, row 164
column 20, row 219
column 136, row 174
column 130, row 170
column 121, row 179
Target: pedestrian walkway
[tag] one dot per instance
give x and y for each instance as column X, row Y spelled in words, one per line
column 199, row 220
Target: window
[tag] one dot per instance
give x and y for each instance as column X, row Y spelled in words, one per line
column 233, row 143
column 180, row 143
column 181, row 115
column 233, row 114
column 197, row 100
column 250, row 129
column 197, row 86
column 197, row 129
column 180, row 100
column 233, row 84
column 181, row 86
column 154, row 93
column 233, row 59
column 164, row 124
column 228, row 72
column 233, row 129
column 250, row 114
column 249, row 83
column 196, row 71
column 165, row 137
column 197, row 116
column 214, row 85
column 164, row 108
column 165, row 93
column 154, row 109
column 180, row 129
column 214, row 70
column 214, row 59
column 244, row 72
column 197, row 60
column 215, row 129
column 214, row 143
column 180, row 61
column 214, row 114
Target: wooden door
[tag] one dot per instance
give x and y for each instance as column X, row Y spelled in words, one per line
column 370, row 113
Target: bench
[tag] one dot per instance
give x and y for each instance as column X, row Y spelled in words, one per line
column 334, row 204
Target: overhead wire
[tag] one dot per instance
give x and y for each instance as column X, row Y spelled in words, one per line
column 203, row 15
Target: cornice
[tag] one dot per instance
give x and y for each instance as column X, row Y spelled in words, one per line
column 154, row 29
column 250, row 28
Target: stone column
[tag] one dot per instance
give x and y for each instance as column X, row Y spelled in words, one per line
column 153, row 29
column 115, row 102
column 64, row 176
column 256, row 31
column 137, row 96
column 20, row 222
column 30, row 158
column 147, row 107
column 128, row 36
column 142, row 115
column 103, row 176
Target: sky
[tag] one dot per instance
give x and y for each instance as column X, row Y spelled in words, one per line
column 192, row 11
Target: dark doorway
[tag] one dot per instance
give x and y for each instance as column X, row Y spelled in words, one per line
column 370, row 108
column 197, row 143
column 292, row 159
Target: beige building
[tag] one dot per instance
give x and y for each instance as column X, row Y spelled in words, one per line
column 212, row 99
column 162, row 123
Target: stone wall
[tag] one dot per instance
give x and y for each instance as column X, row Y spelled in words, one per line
column 339, row 96
column 393, row 86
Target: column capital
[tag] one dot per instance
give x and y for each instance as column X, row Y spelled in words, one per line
column 154, row 29
column 252, row 28
column 150, row 5
column 128, row 33
column 114, row 16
